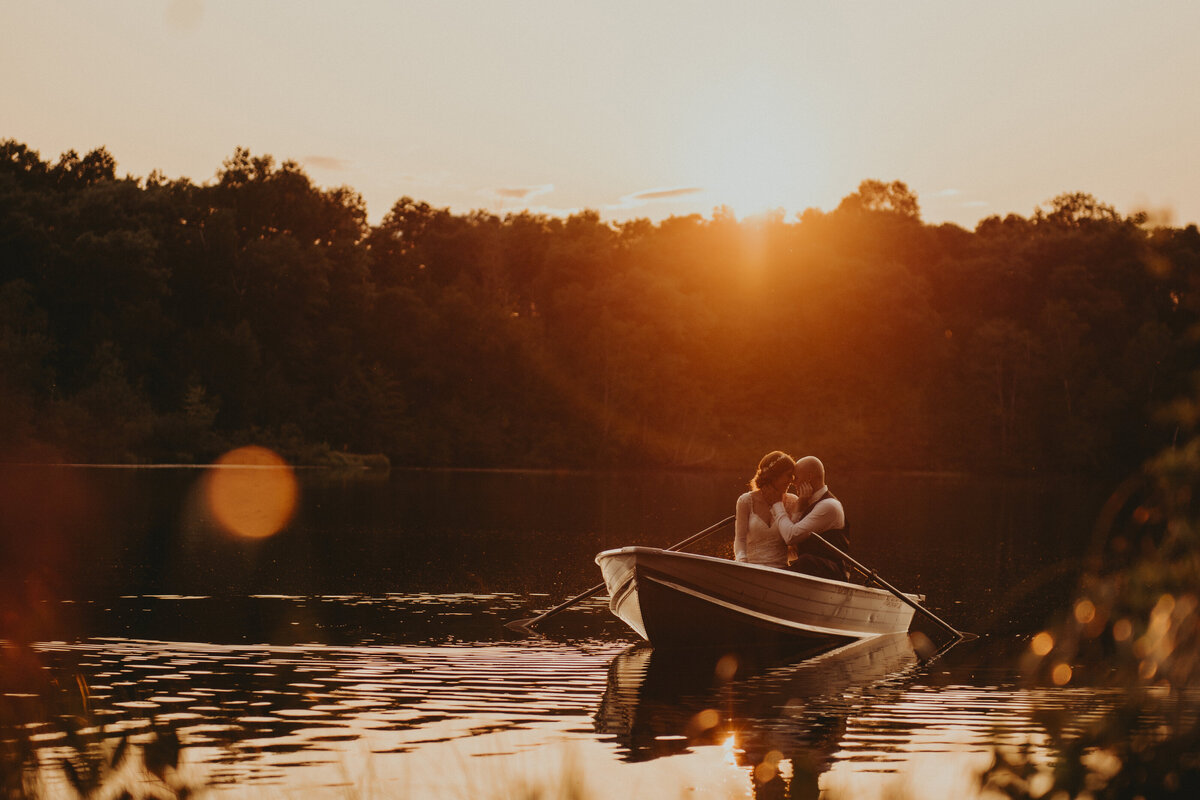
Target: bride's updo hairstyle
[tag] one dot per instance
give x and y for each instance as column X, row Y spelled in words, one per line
column 773, row 464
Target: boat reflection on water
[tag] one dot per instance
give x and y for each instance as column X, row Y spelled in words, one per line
column 782, row 720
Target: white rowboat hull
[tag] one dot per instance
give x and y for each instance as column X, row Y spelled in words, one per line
column 682, row 599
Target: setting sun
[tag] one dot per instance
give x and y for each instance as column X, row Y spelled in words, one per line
column 755, row 147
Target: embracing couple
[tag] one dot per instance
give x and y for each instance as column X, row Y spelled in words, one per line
column 770, row 519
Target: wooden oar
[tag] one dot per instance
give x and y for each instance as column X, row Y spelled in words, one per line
column 874, row 577
column 524, row 624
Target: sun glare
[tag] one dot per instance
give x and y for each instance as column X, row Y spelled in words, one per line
column 729, row 749
column 754, row 148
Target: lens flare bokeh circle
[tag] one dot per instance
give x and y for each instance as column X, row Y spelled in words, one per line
column 251, row 492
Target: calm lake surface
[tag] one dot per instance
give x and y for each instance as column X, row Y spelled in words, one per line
column 361, row 651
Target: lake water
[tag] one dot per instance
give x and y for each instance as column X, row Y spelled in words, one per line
column 361, row 651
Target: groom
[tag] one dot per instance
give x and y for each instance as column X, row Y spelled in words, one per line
column 820, row 512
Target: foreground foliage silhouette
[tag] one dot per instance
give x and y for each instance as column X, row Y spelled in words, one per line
column 1135, row 628
column 52, row 745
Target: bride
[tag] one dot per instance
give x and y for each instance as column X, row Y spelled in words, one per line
column 756, row 537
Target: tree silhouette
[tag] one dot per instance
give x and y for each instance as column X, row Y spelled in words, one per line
column 159, row 319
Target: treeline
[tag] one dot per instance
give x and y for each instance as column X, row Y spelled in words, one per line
column 152, row 320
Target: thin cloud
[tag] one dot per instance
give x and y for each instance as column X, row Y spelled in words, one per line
column 947, row 193
column 522, row 192
column 665, row 194
column 639, row 199
column 326, row 162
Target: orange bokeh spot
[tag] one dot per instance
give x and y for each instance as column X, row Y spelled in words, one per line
column 251, row 492
column 1061, row 674
column 704, row 721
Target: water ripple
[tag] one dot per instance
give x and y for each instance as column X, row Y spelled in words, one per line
column 288, row 714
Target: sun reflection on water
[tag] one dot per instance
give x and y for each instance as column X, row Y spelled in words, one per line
column 729, row 748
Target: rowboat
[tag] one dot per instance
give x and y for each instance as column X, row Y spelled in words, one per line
column 676, row 599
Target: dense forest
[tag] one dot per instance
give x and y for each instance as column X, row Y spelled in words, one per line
column 157, row 320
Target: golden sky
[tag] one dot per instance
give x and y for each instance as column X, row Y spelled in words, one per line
column 635, row 109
